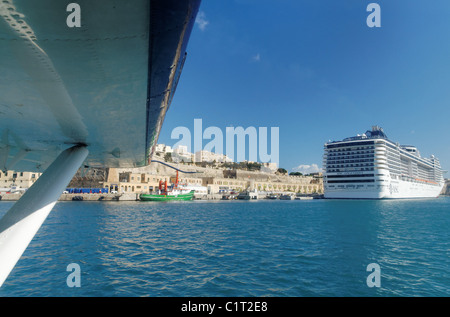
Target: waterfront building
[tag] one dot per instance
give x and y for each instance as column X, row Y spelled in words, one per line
column 129, row 181
column 132, row 182
column 206, row 156
column 301, row 185
column 181, row 154
column 269, row 167
column 18, row 180
column 138, row 182
column 162, row 148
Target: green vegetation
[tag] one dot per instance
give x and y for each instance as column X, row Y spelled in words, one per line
column 168, row 157
column 248, row 166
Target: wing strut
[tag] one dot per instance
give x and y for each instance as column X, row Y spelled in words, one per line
column 19, row 225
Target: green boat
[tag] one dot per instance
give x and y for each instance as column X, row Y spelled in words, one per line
column 165, row 193
column 167, row 196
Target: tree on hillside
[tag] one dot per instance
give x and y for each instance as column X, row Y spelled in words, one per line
column 168, row 157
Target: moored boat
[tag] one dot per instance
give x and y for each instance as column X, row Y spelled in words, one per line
column 175, row 193
column 167, row 197
column 247, row 195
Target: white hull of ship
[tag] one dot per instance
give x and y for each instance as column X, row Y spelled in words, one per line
column 395, row 189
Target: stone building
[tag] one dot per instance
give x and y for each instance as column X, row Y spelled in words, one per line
column 144, row 181
column 303, row 185
column 132, row 182
column 16, row 179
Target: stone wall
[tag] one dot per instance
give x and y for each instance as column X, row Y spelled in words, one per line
column 446, row 190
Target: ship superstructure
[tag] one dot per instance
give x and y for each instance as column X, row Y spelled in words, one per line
column 371, row 166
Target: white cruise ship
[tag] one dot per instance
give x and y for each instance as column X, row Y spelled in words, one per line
column 371, row 166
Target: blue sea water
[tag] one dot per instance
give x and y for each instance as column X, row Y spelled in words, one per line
column 239, row 248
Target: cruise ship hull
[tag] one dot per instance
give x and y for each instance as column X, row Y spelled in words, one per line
column 370, row 166
column 396, row 189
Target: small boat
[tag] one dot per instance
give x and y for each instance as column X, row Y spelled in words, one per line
column 272, row 196
column 247, row 195
column 286, row 197
column 243, row 196
column 303, row 198
column 175, row 193
column 172, row 195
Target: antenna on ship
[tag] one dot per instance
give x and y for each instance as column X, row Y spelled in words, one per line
column 377, row 128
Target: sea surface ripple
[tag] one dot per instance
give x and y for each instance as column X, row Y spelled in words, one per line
column 239, row 248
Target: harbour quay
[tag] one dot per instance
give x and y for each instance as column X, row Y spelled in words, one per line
column 208, row 182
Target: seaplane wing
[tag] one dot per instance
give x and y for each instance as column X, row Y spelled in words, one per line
column 88, row 81
column 100, row 73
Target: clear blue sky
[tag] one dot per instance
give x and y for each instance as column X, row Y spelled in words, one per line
column 315, row 69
